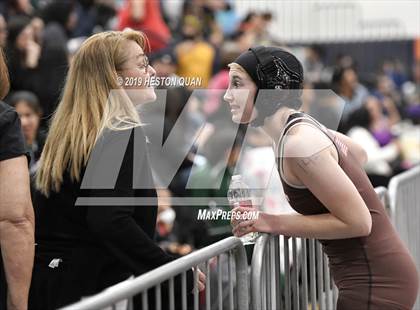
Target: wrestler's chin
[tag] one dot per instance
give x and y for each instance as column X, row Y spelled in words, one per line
column 236, row 119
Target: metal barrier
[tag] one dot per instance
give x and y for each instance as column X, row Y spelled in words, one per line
column 404, row 199
column 283, row 277
column 383, row 196
column 236, row 263
column 305, row 278
column 286, row 273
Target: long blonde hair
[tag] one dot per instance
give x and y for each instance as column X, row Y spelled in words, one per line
column 91, row 101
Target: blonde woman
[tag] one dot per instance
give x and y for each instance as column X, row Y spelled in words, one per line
column 81, row 250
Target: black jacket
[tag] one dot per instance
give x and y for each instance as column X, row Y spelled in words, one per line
column 94, row 246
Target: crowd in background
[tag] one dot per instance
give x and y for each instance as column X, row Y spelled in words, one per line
column 198, row 39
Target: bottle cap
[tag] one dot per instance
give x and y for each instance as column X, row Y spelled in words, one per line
column 236, row 177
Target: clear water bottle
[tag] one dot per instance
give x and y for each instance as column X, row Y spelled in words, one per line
column 239, row 194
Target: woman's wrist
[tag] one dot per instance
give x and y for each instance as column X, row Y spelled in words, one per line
column 270, row 223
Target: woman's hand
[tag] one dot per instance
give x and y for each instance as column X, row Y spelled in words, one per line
column 259, row 222
column 33, row 53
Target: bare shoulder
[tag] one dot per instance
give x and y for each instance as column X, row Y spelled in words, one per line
column 304, row 140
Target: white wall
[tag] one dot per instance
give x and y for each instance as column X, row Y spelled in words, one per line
column 315, row 20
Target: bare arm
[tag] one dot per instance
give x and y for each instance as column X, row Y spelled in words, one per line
column 320, row 173
column 348, row 217
column 358, row 151
column 16, row 230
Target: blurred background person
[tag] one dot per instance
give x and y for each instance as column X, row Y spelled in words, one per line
column 380, row 123
column 29, row 110
column 145, row 15
column 23, row 55
column 345, row 83
column 60, row 19
column 195, row 56
column 313, row 64
column 18, row 7
column 166, row 235
column 165, row 65
column 381, row 159
column 411, row 95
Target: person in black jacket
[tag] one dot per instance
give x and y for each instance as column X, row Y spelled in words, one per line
column 16, row 212
column 39, row 67
column 23, row 55
column 84, row 246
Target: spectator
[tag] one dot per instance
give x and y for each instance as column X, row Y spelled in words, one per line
column 145, row 15
column 227, row 18
column 93, row 17
column 393, row 68
column 86, row 18
column 380, row 124
column 165, row 223
column 29, row 110
column 84, row 250
column 204, row 11
column 195, row 56
column 261, row 29
column 16, row 212
column 172, row 13
column 60, row 18
column 23, row 54
column 244, row 40
column 313, row 65
column 212, row 179
column 249, row 22
column 105, row 16
column 385, row 89
column 164, row 63
column 19, row 7
column 379, row 159
column 411, row 92
column 346, row 84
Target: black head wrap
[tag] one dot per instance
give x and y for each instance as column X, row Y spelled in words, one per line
column 273, row 68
